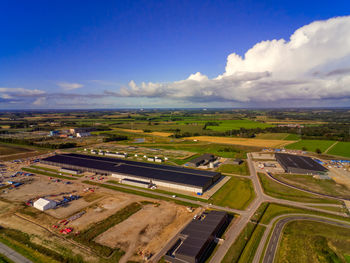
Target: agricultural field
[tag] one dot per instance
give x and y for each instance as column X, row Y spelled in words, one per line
column 236, row 193
column 307, row 182
column 340, row 149
column 308, row 241
column 241, row 141
column 6, row 149
column 310, row 145
column 222, row 150
column 292, row 137
column 227, row 125
column 273, row 136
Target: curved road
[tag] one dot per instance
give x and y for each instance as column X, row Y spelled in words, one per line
column 273, row 242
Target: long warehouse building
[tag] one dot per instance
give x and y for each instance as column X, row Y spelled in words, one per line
column 161, row 175
column 298, row 164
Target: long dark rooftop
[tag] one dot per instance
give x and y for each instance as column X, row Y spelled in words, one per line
column 298, row 161
column 165, row 173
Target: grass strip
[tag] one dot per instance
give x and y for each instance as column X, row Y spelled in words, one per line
column 87, row 236
column 149, row 195
column 162, row 192
column 278, row 190
column 21, row 243
column 235, row 251
column 35, row 171
column 55, row 170
column 252, row 245
column 4, row 259
column 275, row 210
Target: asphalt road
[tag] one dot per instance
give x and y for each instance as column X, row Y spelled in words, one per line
column 13, row 255
column 277, row 231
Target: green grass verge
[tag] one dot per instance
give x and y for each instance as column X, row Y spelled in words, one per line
column 235, row 251
column 308, row 241
column 161, row 191
column 87, row 236
column 310, row 145
column 4, row 259
column 241, row 169
column 131, row 191
column 21, row 242
column 252, row 245
column 278, row 190
column 307, row 182
column 237, row 193
column 340, row 149
column 274, row 210
column 35, row 171
column 54, row 170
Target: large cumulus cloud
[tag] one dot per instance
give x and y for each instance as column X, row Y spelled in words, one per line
column 313, row 64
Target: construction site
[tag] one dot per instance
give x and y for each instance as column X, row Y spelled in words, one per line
column 58, row 213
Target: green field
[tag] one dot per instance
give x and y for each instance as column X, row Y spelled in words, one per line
column 311, row 145
column 226, row 125
column 221, row 150
column 340, row 149
column 292, row 137
column 237, row 193
column 278, row 190
column 308, row 241
column 241, row 169
column 273, row 136
column 307, row 182
column 12, row 149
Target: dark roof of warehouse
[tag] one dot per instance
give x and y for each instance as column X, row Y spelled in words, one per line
column 204, row 157
column 298, row 161
column 179, row 175
column 198, row 232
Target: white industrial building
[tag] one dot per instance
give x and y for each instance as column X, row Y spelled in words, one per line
column 126, row 178
column 44, row 204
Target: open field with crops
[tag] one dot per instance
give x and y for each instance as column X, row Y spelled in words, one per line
column 340, row 149
column 240, row 141
column 226, row 125
column 308, row 241
column 310, row 145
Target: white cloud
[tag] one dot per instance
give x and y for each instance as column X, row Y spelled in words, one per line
column 21, row 92
column 312, row 65
column 69, row 86
column 39, row 101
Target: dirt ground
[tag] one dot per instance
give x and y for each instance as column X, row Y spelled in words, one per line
column 40, row 186
column 103, row 209
column 241, row 141
column 147, row 230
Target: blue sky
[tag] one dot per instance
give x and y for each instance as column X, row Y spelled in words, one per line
column 51, row 49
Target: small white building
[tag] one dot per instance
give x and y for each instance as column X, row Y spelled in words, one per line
column 83, row 134
column 44, row 204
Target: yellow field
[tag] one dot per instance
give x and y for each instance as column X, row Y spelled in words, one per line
column 241, row 141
